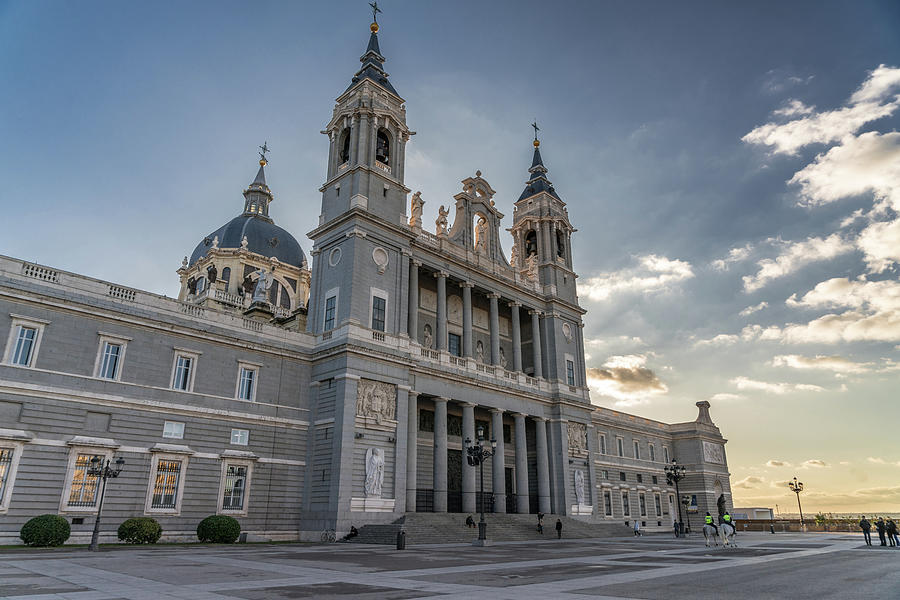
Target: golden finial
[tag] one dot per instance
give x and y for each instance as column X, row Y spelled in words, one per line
column 537, row 142
column 375, row 11
column 374, row 27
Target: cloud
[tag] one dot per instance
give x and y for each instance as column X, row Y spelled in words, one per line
column 724, row 396
column 778, row 463
column 779, row 389
column 734, row 255
column 881, row 461
column 627, row 379
column 653, row 274
column 758, row 332
column 814, row 463
column 794, row 108
column 795, row 255
column 752, row 309
column 723, row 339
column 835, row 364
column 876, row 98
column 749, row 483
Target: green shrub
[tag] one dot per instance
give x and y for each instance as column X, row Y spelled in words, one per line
column 140, row 530
column 45, row 530
column 219, row 529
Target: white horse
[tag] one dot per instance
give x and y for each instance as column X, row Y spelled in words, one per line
column 727, row 530
column 709, row 533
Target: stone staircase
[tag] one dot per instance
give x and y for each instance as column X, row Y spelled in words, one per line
column 449, row 528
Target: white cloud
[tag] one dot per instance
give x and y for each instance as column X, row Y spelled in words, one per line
column 876, row 98
column 627, row 379
column 779, row 389
column 752, row 309
column 778, row 463
column 758, row 332
column 723, row 339
column 794, row 108
column 881, row 461
column 725, row 396
column 795, row 255
column 835, row 364
column 748, row 483
column 814, row 463
column 653, row 274
column 734, row 255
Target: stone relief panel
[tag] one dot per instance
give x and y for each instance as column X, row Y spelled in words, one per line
column 713, row 453
column 577, row 438
column 504, row 326
column 428, row 299
column 480, row 318
column 455, row 309
column 376, row 400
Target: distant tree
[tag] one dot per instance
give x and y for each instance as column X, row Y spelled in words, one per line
column 821, row 518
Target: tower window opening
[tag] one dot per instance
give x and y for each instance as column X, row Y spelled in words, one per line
column 560, row 244
column 226, row 275
column 345, row 146
column 530, row 243
column 382, row 147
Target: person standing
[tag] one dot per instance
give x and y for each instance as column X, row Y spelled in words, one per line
column 879, row 525
column 541, row 523
column 891, row 530
column 637, row 528
column 558, row 529
column 866, row 528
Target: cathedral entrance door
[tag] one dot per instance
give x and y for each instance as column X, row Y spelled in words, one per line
column 454, row 481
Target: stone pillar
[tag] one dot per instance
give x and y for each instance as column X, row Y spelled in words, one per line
column 521, row 466
column 495, row 329
column 516, row 336
column 548, row 247
column 412, row 432
column 441, row 333
column 362, row 157
column 543, row 466
column 354, row 133
column 401, row 157
column 332, row 138
column 440, row 454
column 412, row 328
column 467, row 318
column 498, row 466
column 468, row 479
column 536, row 343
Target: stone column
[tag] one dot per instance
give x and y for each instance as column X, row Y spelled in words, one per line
column 332, row 138
column 412, row 432
column 543, row 466
column 441, row 333
column 498, row 471
column 440, row 454
column 373, row 140
column 401, row 157
column 536, row 342
column 467, row 318
column 516, row 336
column 495, row 328
column 362, row 157
column 354, row 133
column 521, row 466
column 468, row 479
column 412, row 329
column 548, row 247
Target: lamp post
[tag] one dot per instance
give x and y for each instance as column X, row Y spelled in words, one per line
column 104, row 472
column 674, row 474
column 797, row 487
column 686, row 501
column 476, row 454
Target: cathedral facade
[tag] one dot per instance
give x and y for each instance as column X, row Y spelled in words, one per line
column 305, row 398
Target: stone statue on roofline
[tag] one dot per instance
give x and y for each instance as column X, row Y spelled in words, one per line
column 415, row 212
column 441, row 223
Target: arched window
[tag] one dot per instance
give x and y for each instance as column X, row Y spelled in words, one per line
column 383, row 147
column 560, row 243
column 226, row 275
column 530, row 243
column 344, row 155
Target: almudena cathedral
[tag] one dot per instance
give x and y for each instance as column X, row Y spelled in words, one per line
column 305, row 398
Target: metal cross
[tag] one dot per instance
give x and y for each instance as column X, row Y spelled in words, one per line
column 536, row 128
column 375, row 11
column 264, row 148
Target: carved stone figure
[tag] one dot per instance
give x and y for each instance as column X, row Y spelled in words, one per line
column 374, row 472
column 212, row 273
column 479, row 351
column 441, row 223
column 192, row 286
column 531, row 271
column 184, row 262
column 244, row 243
column 428, row 339
column 376, row 400
column 579, row 487
column 263, row 283
column 577, row 437
column 503, row 361
column 215, row 243
column 514, row 256
column 481, row 235
column 415, row 211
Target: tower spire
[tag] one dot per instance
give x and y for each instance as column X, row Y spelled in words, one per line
column 258, row 196
column 372, row 60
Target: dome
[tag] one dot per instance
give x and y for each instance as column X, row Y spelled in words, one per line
column 263, row 237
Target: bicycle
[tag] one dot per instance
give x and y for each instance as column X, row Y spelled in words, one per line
column 328, row 536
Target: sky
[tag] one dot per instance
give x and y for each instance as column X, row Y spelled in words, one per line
column 733, row 170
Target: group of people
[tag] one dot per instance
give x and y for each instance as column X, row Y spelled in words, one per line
column 886, row 529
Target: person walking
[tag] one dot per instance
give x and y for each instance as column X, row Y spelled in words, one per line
column 879, row 525
column 541, row 523
column 866, row 528
column 675, row 527
column 891, row 530
column 558, row 529
column 637, row 528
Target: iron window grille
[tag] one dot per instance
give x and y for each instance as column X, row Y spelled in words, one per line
column 235, row 485
column 83, row 491
column 165, row 489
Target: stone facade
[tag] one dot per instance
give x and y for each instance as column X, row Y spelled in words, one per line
column 352, row 406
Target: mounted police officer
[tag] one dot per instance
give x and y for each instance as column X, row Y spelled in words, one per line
column 726, row 518
column 708, row 520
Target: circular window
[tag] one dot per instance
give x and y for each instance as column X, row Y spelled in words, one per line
column 334, row 257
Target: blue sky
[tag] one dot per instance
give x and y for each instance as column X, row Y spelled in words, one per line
column 732, row 169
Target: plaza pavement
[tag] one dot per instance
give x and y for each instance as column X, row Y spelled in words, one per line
column 795, row 566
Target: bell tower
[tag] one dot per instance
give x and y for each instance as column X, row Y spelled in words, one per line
column 367, row 134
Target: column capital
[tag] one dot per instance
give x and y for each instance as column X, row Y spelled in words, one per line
column 438, row 274
column 466, row 284
column 417, row 263
column 437, row 399
column 493, row 295
column 495, row 410
column 516, row 415
column 514, row 303
column 468, row 404
column 541, row 419
column 405, row 252
column 405, row 388
column 535, row 312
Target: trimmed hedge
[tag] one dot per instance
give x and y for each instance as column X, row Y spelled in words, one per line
column 219, row 529
column 140, row 530
column 45, row 530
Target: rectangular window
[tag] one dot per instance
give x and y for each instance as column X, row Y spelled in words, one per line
column 26, row 337
column 570, row 372
column 620, row 446
column 240, row 437
column 378, row 313
column 183, row 372
column 621, row 476
column 607, row 504
column 454, row 344
column 626, row 509
column 640, row 478
column 658, row 505
column 666, row 454
column 165, row 486
column 602, row 444
column 605, row 474
column 330, row 308
column 637, row 450
column 247, row 383
column 6, row 458
column 235, row 486
column 83, row 491
column 655, row 479
column 109, row 364
column 652, row 453
column 173, row 429
column 642, row 500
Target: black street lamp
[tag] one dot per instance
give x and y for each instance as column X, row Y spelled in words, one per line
column 476, row 454
column 797, row 487
column 686, row 501
column 674, row 474
column 104, row 472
